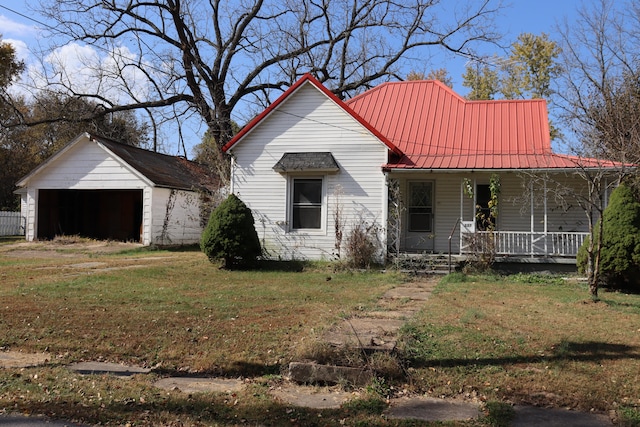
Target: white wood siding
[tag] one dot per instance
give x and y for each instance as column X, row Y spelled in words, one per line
column 32, row 213
column 181, row 209
column 308, row 121
column 86, row 166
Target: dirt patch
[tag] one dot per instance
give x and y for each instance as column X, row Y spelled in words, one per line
column 63, row 249
column 16, row 359
column 200, row 385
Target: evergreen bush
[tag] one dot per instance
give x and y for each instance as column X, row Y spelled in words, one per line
column 230, row 235
column 620, row 254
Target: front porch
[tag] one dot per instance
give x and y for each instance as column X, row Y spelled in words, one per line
column 446, row 213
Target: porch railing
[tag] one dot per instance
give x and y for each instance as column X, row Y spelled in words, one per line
column 565, row 244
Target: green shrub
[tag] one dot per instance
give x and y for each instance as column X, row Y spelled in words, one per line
column 620, row 252
column 230, row 235
column 620, row 263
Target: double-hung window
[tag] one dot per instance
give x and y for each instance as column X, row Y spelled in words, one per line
column 306, row 203
column 420, row 209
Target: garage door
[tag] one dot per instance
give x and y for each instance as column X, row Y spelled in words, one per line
column 99, row 214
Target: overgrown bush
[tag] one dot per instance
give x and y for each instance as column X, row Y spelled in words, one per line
column 230, row 235
column 362, row 245
column 620, row 252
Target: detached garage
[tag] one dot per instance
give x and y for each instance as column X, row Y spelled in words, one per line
column 98, row 188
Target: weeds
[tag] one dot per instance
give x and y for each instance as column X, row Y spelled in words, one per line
column 629, row 416
column 499, row 414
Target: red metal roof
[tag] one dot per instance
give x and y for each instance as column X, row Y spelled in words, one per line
column 436, row 128
column 426, row 125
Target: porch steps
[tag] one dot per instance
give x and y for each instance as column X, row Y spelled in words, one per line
column 427, row 263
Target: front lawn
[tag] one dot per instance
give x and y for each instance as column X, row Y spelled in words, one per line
column 518, row 340
column 527, row 339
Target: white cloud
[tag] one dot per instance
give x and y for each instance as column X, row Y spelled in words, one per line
column 15, row 29
column 22, row 51
column 84, row 69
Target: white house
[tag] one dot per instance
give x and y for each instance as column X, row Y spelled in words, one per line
column 413, row 159
column 103, row 189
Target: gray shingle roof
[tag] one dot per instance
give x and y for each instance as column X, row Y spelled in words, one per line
column 306, row 162
column 162, row 169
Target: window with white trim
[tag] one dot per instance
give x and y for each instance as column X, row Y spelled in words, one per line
column 306, row 203
column 420, row 209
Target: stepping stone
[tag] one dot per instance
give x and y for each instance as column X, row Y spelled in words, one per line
column 430, row 409
column 413, row 293
column 311, row 397
column 100, row 368
column 365, row 332
column 200, row 385
column 314, row 373
column 531, row 416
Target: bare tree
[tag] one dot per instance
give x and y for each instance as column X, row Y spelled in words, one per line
column 600, row 92
column 210, row 57
column 600, row 102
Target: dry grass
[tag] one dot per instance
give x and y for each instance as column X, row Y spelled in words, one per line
column 169, row 308
column 534, row 343
column 495, row 340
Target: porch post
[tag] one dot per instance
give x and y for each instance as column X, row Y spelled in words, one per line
column 385, row 213
column 546, row 225
column 532, row 217
column 461, row 199
column 461, row 214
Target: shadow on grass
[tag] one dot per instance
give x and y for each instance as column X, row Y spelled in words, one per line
column 237, row 369
column 590, row 351
column 272, row 265
column 11, row 239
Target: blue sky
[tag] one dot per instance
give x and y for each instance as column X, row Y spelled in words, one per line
column 519, row 16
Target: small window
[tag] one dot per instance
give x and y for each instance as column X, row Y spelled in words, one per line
column 420, row 209
column 307, row 203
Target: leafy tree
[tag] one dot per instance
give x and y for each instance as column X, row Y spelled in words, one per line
column 230, row 235
column 440, row 74
column 527, row 72
column 531, row 67
column 483, row 81
column 10, row 69
column 619, row 265
column 210, row 57
column 10, row 66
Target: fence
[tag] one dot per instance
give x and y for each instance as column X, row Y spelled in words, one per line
column 12, row 224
